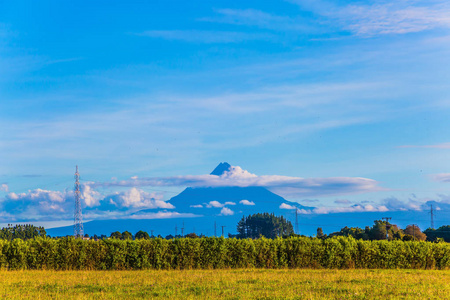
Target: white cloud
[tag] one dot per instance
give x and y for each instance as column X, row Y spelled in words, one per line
column 90, row 196
column 246, row 202
column 217, row 204
column 287, row 206
column 40, row 195
column 214, row 203
column 395, row 204
column 196, row 206
column 293, row 186
column 226, row 212
column 50, row 205
column 38, row 204
column 4, row 188
column 135, row 198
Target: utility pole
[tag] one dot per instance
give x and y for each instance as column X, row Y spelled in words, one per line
column 78, row 230
column 388, row 226
column 432, row 216
column 215, row 229
column 182, row 230
column 223, row 228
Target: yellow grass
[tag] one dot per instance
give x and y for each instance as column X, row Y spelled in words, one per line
column 226, row 284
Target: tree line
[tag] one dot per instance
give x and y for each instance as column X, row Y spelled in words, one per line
column 24, row 232
column 212, row 253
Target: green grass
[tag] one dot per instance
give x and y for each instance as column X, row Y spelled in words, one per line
column 226, row 284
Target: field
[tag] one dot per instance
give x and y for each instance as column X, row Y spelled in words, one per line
column 227, row 284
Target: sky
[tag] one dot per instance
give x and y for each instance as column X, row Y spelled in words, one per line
column 351, row 97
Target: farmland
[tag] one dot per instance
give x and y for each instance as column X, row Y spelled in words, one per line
column 229, row 284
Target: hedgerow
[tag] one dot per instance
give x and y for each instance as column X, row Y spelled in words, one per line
column 215, row 253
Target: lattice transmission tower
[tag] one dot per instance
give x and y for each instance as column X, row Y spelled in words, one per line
column 78, row 230
column 432, row 216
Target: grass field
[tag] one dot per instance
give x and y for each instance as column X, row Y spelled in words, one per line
column 226, row 284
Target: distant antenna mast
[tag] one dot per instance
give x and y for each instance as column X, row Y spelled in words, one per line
column 223, row 226
column 215, row 228
column 182, row 230
column 296, row 221
column 432, row 216
column 78, row 230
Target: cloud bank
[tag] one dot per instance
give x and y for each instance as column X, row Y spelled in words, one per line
column 39, row 204
column 236, row 176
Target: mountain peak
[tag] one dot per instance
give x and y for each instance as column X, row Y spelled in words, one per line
column 221, row 168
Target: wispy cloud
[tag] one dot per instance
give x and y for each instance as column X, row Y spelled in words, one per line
column 342, row 201
column 435, row 146
column 203, row 36
column 352, row 209
column 278, row 184
column 160, row 215
column 383, row 17
column 442, row 177
column 257, row 18
column 387, row 204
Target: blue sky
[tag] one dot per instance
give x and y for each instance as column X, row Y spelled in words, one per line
column 310, row 89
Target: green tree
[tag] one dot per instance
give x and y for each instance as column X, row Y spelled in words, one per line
column 141, row 235
column 267, row 225
column 442, row 232
column 24, row 232
column 378, row 231
column 415, row 232
column 320, row 233
column 116, row 235
column 126, row 235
